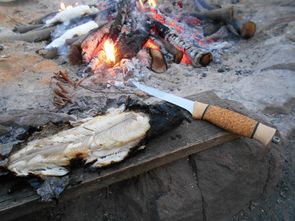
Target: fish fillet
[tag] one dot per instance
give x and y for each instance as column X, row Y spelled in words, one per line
column 101, row 141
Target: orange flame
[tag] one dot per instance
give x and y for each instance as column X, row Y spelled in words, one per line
column 151, row 44
column 109, row 49
column 152, row 3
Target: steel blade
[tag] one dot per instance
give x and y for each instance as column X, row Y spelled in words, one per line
column 179, row 101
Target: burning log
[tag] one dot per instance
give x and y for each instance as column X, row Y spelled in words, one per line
column 123, row 10
column 26, row 28
column 158, row 63
column 92, row 41
column 130, row 44
column 177, row 54
column 199, row 56
column 75, row 52
column 31, row 36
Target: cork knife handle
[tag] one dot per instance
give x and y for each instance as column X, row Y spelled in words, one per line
column 233, row 122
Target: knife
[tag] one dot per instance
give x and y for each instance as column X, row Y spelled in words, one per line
column 221, row 117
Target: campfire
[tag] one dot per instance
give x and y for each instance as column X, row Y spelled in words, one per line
column 114, row 41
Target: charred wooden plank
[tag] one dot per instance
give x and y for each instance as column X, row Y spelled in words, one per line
column 123, row 10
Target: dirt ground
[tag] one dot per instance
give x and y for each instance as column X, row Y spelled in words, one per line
column 259, row 73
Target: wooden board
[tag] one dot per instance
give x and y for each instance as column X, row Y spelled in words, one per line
column 190, row 137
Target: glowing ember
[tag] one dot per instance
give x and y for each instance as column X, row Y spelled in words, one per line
column 152, row 3
column 109, row 49
column 151, row 44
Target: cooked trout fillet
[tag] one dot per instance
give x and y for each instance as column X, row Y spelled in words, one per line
column 101, row 140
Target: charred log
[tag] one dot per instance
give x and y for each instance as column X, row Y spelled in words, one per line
column 48, row 53
column 158, row 63
column 245, row 29
column 177, row 54
column 123, row 10
column 130, row 44
column 31, row 36
column 199, row 56
column 26, row 28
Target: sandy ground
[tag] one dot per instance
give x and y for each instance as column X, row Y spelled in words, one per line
column 259, row 73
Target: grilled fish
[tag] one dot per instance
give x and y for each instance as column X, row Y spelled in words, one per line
column 100, row 141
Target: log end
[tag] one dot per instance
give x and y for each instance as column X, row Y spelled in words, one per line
column 158, row 63
column 248, row 29
column 178, row 57
column 205, row 59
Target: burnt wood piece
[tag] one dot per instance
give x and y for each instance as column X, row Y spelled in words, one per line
column 181, row 142
column 75, row 51
column 43, row 19
column 199, row 56
column 31, row 36
column 124, row 8
column 177, row 54
column 92, row 41
column 239, row 26
column 245, row 29
column 216, row 15
column 26, row 28
column 130, row 44
column 48, row 53
column 158, row 62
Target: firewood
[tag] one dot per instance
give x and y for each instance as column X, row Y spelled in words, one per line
column 123, row 9
column 210, row 28
column 48, row 53
column 245, row 29
column 178, row 54
column 43, row 19
column 199, row 56
column 158, row 63
column 75, row 52
column 31, row 36
column 26, row 28
column 217, row 15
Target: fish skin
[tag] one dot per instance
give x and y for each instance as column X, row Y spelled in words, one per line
column 102, row 140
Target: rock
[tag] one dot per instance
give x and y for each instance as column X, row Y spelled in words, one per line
column 233, row 174
column 1, row 47
column 212, row 185
column 279, row 57
column 223, row 68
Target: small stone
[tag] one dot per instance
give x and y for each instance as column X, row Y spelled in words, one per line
column 223, row 68
column 241, row 60
column 1, row 47
column 204, row 75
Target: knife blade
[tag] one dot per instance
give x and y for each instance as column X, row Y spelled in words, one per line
column 224, row 118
